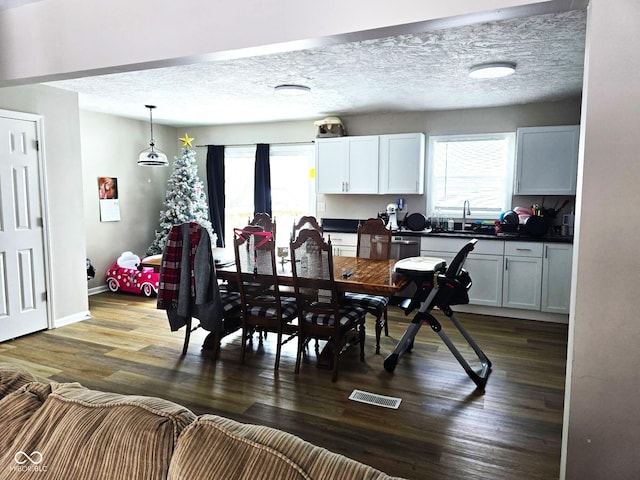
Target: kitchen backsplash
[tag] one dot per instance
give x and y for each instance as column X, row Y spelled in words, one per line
column 368, row 206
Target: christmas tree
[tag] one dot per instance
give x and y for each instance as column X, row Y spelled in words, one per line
column 185, row 200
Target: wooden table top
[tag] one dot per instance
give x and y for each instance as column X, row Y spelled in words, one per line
column 375, row 277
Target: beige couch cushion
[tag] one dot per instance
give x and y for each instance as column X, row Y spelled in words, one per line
column 16, row 409
column 85, row 434
column 217, row 448
column 12, row 377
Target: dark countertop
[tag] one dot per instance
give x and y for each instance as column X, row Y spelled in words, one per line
column 518, row 237
column 343, row 225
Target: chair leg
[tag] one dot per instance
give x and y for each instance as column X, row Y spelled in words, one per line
column 243, row 344
column 361, row 335
column 378, row 331
column 386, row 323
column 278, row 349
column 187, row 335
column 211, row 345
column 301, row 345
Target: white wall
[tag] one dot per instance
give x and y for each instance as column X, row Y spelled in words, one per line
column 110, row 147
column 602, row 420
column 66, row 36
column 601, row 426
column 486, row 120
column 63, row 169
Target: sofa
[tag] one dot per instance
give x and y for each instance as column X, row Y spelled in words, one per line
column 54, row 431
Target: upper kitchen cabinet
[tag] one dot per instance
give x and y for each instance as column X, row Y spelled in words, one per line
column 547, row 160
column 402, row 163
column 347, row 164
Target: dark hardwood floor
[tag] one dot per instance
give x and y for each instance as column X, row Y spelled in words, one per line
column 443, row 429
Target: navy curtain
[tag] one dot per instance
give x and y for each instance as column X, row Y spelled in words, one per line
column 262, row 185
column 215, row 185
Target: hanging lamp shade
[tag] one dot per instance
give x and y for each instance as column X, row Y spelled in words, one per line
column 152, row 156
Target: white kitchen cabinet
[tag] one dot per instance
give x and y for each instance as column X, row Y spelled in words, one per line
column 547, row 160
column 484, row 265
column 533, row 276
column 402, row 163
column 486, row 275
column 556, row 277
column 347, row 164
column 521, row 284
column 344, row 244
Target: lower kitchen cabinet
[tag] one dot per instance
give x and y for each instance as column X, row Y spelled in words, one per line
column 344, row 244
column 556, row 277
column 487, row 279
column 484, row 265
column 513, row 274
column 521, row 284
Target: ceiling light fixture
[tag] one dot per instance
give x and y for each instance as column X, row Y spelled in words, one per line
column 292, row 89
column 152, row 157
column 492, row 70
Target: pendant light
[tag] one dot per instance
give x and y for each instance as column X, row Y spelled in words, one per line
column 152, row 157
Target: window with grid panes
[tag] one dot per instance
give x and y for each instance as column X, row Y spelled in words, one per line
column 478, row 168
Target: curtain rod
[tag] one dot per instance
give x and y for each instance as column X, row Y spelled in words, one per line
column 271, row 144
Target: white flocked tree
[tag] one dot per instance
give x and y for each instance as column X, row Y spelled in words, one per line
column 185, row 200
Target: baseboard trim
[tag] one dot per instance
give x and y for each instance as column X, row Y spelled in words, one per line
column 77, row 317
column 100, row 289
column 513, row 313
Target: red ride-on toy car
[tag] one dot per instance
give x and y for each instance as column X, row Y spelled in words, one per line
column 128, row 276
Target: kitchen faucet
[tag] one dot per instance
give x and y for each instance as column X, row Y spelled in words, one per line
column 465, row 211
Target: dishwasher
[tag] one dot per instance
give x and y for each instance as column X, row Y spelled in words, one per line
column 404, row 247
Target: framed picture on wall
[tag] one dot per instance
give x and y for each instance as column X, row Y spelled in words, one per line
column 108, row 195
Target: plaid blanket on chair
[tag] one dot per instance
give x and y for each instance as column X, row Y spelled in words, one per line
column 171, row 266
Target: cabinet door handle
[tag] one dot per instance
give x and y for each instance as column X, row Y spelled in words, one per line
column 523, row 249
column 546, row 251
column 346, row 186
column 506, row 264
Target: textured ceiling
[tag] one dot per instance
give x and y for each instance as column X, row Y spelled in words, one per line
column 412, row 72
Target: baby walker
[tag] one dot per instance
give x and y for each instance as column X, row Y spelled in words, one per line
column 439, row 286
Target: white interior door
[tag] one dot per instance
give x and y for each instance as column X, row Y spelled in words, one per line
column 23, row 303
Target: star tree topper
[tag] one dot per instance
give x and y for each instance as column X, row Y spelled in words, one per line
column 186, row 140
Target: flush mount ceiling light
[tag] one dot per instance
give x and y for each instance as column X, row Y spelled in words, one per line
column 292, row 89
column 152, row 157
column 492, row 70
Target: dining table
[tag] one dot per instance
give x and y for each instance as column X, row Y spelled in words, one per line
column 352, row 274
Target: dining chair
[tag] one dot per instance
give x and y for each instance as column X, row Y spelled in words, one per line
column 263, row 308
column 303, row 223
column 321, row 315
column 374, row 241
column 265, row 221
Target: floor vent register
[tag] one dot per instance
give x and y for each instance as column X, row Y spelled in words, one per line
column 375, row 399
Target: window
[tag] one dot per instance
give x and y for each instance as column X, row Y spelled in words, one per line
column 478, row 168
column 292, row 188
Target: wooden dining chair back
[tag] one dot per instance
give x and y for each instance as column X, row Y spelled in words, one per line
column 374, row 241
column 321, row 315
column 263, row 308
column 264, row 220
column 304, row 223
